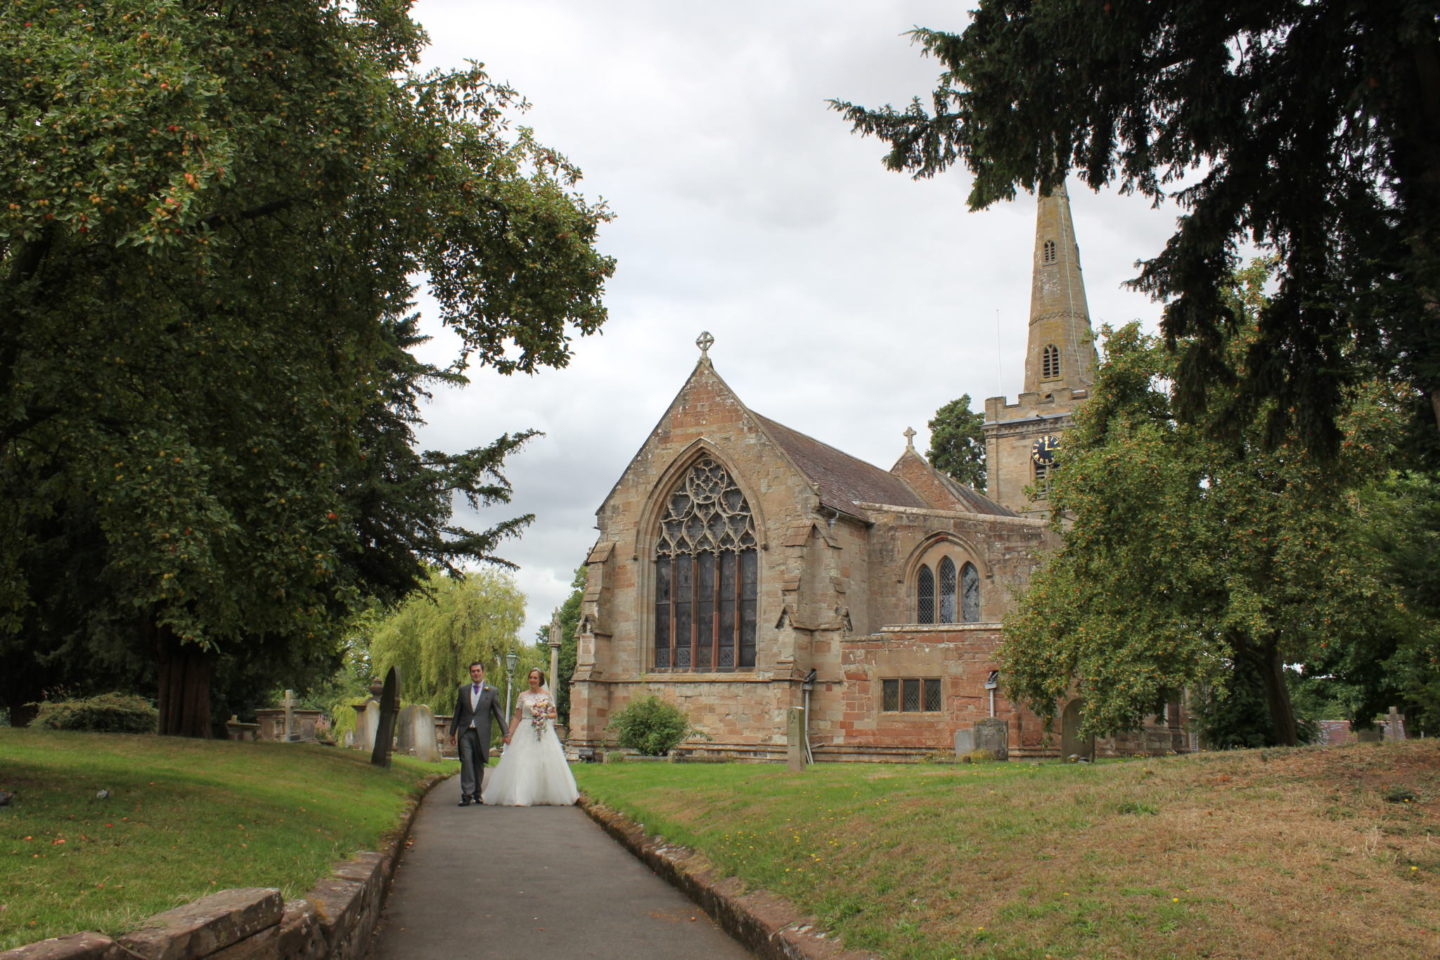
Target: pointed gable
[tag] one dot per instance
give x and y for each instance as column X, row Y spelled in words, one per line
column 942, row 491
column 844, row 481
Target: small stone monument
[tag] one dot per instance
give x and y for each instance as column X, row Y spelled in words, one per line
column 964, row 742
column 415, row 734
column 795, row 738
column 1394, row 725
column 993, row 734
column 385, row 720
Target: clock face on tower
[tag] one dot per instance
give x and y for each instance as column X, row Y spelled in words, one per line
column 1042, row 452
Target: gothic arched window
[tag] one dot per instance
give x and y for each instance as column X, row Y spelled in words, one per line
column 969, row 593
column 925, row 596
column 947, row 591
column 1050, row 362
column 705, row 575
column 1048, row 254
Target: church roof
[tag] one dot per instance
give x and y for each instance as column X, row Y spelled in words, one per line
column 974, row 501
column 844, row 481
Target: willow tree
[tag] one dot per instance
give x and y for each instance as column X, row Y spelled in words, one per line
column 436, row 633
column 212, row 222
column 1310, row 128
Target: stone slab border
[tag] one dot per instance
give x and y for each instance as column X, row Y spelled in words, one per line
column 766, row 925
column 332, row 922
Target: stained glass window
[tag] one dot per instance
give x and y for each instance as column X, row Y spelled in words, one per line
column 706, row 573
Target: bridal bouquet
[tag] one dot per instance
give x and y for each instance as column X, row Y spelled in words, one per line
column 539, row 713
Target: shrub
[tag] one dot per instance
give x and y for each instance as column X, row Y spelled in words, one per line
column 107, row 713
column 651, row 726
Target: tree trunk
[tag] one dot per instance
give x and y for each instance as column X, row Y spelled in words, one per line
column 1277, row 698
column 184, row 696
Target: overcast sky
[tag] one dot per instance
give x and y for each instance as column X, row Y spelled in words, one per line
column 846, row 301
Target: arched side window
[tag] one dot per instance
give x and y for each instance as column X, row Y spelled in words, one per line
column 1050, row 362
column 969, row 594
column 705, row 575
column 1048, row 254
column 947, row 590
column 925, row 596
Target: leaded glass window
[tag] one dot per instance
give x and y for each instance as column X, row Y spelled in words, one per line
column 706, row 574
column 947, row 590
column 910, row 695
column 969, row 593
column 925, row 596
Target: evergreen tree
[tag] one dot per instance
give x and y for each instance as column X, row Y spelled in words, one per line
column 1310, row 128
column 957, row 443
column 211, row 225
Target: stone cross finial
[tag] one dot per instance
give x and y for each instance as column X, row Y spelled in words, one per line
column 909, row 438
column 704, row 342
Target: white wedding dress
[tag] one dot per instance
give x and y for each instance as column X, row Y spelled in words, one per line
column 532, row 770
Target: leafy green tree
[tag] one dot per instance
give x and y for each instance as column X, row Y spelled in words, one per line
column 1192, row 559
column 568, row 616
column 957, row 442
column 211, row 227
column 1310, row 128
column 435, row 634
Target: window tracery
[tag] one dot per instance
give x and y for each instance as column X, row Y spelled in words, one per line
column 1050, row 362
column 706, row 574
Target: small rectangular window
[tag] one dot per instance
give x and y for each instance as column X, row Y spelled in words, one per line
column 911, row 695
column 891, row 696
column 932, row 695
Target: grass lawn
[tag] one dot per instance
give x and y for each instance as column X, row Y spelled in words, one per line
column 1314, row 852
column 185, row 818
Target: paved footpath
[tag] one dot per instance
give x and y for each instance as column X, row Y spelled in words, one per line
column 533, row 883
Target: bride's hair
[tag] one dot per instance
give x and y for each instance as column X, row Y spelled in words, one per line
column 536, row 670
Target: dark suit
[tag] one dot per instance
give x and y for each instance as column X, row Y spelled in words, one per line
column 470, row 726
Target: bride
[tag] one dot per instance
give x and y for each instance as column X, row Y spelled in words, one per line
column 532, row 770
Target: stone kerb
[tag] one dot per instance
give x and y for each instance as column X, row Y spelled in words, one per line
column 333, row 922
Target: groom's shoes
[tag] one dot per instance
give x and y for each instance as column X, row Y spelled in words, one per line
column 464, row 800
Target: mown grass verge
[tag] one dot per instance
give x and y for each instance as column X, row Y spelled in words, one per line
column 1316, row 852
column 185, row 818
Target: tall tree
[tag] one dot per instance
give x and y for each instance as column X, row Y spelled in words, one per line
column 957, row 442
column 435, row 634
column 1194, row 559
column 1310, row 128
column 211, row 222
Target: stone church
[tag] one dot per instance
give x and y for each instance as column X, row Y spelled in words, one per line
column 744, row 568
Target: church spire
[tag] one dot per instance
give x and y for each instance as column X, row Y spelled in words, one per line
column 1061, row 351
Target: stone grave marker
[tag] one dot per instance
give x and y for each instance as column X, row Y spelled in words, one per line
column 993, row 734
column 416, row 733
column 964, row 742
column 385, row 724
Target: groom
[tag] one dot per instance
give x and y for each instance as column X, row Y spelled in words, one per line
column 475, row 703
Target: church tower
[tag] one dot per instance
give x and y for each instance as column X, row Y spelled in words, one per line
column 1022, row 439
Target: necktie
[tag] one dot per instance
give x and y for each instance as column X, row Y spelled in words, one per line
column 474, row 688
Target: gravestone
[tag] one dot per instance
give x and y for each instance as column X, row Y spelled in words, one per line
column 367, row 722
column 1394, row 725
column 416, row 733
column 385, row 729
column 993, row 734
column 964, row 742
column 795, row 739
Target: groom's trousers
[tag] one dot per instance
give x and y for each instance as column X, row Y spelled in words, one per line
column 472, row 762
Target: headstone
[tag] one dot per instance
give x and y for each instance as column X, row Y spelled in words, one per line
column 993, row 734
column 795, row 739
column 289, row 703
column 367, row 724
column 415, row 734
column 964, row 742
column 389, row 709
column 1394, row 725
